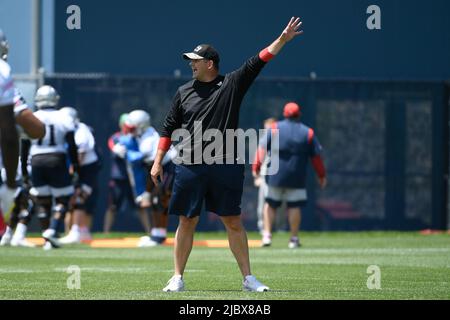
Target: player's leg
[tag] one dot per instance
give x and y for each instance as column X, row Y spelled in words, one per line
column 72, row 219
column 61, row 187
column 43, row 204
column 143, row 203
column 225, row 187
column 82, row 202
column 87, row 216
column 295, row 198
column 8, row 233
column 184, row 239
column 187, row 199
column 115, row 198
column 160, row 198
column 237, row 237
column 40, row 193
column 23, row 213
column 261, row 203
column 274, row 196
column 224, row 195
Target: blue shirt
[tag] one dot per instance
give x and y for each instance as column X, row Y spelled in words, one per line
column 297, row 143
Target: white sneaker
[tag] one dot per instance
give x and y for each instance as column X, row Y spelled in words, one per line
column 6, row 238
column 71, row 238
column 22, row 242
column 175, row 284
column 266, row 241
column 49, row 235
column 47, row 246
column 294, row 242
column 145, row 242
column 251, row 284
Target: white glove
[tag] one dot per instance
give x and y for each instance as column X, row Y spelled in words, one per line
column 120, row 150
column 7, row 197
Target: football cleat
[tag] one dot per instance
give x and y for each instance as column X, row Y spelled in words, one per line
column 146, row 241
column 22, row 242
column 6, row 238
column 49, row 236
column 266, row 241
column 71, row 238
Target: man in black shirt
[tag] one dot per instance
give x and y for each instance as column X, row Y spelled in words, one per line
column 211, row 102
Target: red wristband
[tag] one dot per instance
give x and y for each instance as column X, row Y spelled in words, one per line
column 164, row 143
column 265, row 55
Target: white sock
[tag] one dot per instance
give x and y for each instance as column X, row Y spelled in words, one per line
column 8, row 231
column 267, row 234
column 84, row 229
column 50, row 232
column 21, row 231
column 75, row 229
column 159, row 232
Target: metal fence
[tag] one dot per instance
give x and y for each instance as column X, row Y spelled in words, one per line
column 386, row 144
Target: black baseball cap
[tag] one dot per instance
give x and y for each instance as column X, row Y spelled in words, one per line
column 202, row 51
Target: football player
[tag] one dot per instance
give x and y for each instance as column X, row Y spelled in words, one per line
column 50, row 173
column 156, row 197
column 29, row 126
column 83, row 201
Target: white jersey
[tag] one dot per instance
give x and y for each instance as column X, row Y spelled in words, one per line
column 86, row 144
column 57, row 125
column 148, row 145
column 7, row 91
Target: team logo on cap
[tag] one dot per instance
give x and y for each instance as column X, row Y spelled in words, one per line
column 198, row 49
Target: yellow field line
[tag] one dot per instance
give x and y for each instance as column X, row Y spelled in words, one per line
column 132, row 243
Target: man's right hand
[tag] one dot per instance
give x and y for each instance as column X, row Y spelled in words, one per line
column 291, row 30
column 156, row 171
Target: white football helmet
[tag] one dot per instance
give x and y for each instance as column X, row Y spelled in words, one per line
column 72, row 113
column 46, row 96
column 140, row 120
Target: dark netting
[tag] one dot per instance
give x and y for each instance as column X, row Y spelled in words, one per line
column 383, row 144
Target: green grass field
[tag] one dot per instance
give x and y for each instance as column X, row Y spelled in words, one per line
column 328, row 266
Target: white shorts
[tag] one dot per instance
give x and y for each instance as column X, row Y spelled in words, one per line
column 275, row 196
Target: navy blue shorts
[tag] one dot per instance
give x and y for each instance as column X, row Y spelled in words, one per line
column 219, row 185
column 89, row 176
column 50, row 169
column 120, row 192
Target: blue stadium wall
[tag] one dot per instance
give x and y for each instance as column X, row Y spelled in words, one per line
column 146, row 37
